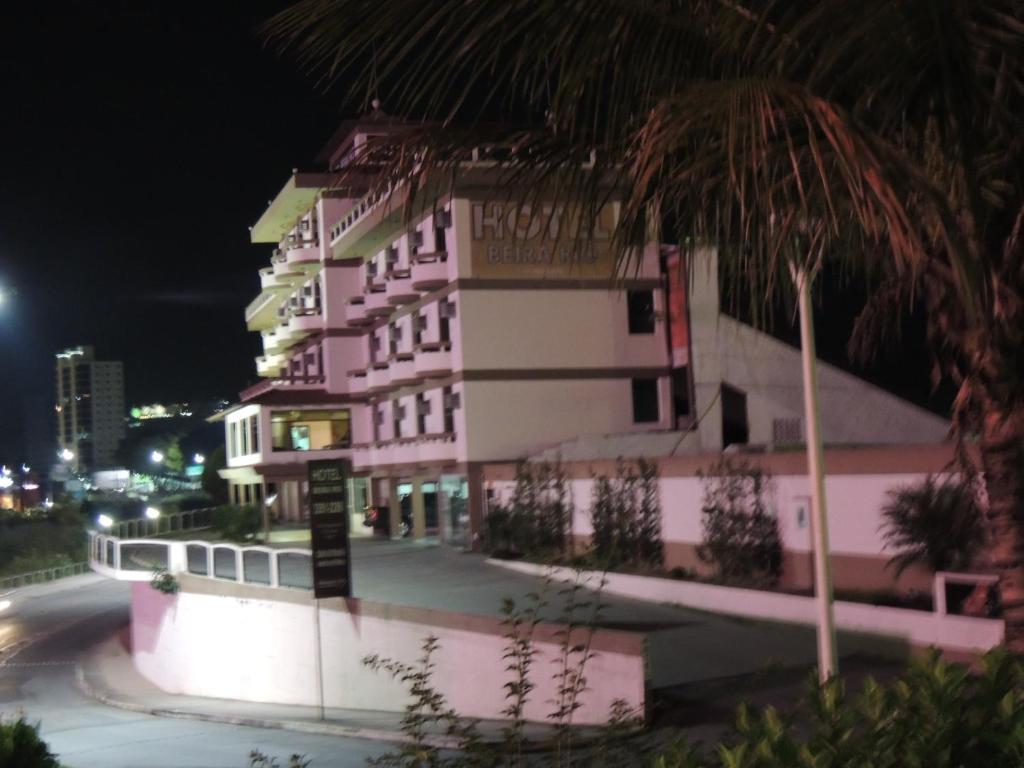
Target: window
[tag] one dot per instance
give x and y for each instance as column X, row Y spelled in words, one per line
column 422, row 411
column 310, row 430
column 735, row 428
column 254, row 433
column 232, row 439
column 641, row 311
column 645, row 401
column 398, row 413
column 243, row 438
column 451, row 402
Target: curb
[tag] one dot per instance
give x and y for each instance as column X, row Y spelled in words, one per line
column 298, row 726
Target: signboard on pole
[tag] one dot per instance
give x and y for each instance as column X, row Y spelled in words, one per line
column 328, row 523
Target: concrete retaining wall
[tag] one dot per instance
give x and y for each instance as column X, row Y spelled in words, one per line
column 238, row 641
column 918, row 628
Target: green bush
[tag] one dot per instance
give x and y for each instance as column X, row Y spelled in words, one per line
column 236, row 523
column 625, row 516
column 164, row 581
column 22, row 747
column 740, row 534
column 537, row 520
column 937, row 524
column 938, row 715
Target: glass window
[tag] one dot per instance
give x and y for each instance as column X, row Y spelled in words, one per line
column 645, row 400
column 232, row 439
column 254, row 433
column 310, row 430
column 641, row 311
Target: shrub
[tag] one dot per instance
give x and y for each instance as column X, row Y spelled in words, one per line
column 537, row 519
column 236, row 523
column 164, row 581
column 21, row 746
column 740, row 534
column 625, row 516
column 936, row 523
column 937, row 714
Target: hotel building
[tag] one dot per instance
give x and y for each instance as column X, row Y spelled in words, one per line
column 423, row 347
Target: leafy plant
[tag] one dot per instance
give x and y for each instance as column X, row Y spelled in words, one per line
column 936, row 523
column 22, row 747
column 625, row 516
column 236, row 523
column 164, row 581
column 258, row 759
column 937, row 715
column 740, row 534
column 537, row 519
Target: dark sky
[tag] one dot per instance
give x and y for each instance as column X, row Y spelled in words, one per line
column 139, row 141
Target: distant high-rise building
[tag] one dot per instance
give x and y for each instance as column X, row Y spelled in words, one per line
column 90, row 409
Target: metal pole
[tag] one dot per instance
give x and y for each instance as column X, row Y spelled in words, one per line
column 827, row 663
column 319, row 659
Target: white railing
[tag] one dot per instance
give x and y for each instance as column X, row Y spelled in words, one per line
column 137, row 559
column 168, row 522
column 42, row 575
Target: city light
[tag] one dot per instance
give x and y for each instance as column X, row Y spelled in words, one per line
column 156, row 457
column 26, row 468
column 66, row 454
column 152, row 513
column 105, row 521
column 198, row 459
column 48, row 503
column 30, row 486
column 6, row 482
column 4, row 605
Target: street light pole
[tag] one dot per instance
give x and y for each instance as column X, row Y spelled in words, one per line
column 827, row 662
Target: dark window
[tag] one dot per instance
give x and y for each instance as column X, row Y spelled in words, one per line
column 735, row 428
column 641, row 311
column 681, row 393
column 422, row 410
column 645, row 400
column 254, row 433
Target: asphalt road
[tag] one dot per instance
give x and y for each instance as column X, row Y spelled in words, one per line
column 41, row 635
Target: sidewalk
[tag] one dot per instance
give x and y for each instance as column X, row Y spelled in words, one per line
column 106, row 673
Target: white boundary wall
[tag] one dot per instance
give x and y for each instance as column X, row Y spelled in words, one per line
column 237, row 641
column 919, row 628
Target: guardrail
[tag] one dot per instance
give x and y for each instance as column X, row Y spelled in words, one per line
column 137, row 559
column 44, row 575
column 170, row 522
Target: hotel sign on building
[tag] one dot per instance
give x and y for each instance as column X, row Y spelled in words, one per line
column 513, row 240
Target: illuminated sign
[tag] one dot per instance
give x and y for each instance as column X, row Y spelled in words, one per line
column 328, row 524
column 511, row 240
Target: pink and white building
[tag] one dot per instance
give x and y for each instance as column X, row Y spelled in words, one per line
column 477, row 331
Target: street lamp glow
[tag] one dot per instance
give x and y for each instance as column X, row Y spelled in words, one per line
column 152, row 513
column 198, row 459
column 156, row 457
column 66, row 454
column 105, row 521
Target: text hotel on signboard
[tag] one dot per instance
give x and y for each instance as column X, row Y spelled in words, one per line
column 328, row 522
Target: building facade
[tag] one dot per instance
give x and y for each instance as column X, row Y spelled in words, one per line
column 89, row 409
column 424, row 346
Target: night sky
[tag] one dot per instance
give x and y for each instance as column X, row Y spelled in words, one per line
column 140, row 140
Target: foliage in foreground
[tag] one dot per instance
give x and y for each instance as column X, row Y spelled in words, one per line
column 538, row 518
column 936, row 523
column 937, row 715
column 626, row 516
column 22, row 747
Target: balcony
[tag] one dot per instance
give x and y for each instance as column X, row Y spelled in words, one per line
column 303, row 256
column 269, row 365
column 277, row 340
column 399, row 288
column 269, row 280
column 429, row 271
column 403, row 369
column 355, row 312
column 305, row 320
column 433, row 360
column 377, row 304
column 282, row 384
column 357, row 381
column 406, row 450
column 437, row 447
column 378, row 378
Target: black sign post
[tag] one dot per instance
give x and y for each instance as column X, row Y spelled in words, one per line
column 328, row 523
column 332, row 552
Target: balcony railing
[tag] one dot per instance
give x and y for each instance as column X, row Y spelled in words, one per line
column 403, row 369
column 355, row 312
column 399, row 287
column 357, row 381
column 282, row 383
column 357, row 212
column 378, row 377
column 433, row 359
column 429, row 271
column 377, row 304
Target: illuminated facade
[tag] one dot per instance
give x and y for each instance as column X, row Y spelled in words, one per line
column 475, row 331
column 89, row 409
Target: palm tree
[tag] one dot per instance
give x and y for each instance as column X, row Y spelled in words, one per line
column 885, row 135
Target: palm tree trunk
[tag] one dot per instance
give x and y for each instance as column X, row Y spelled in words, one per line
column 1002, row 460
